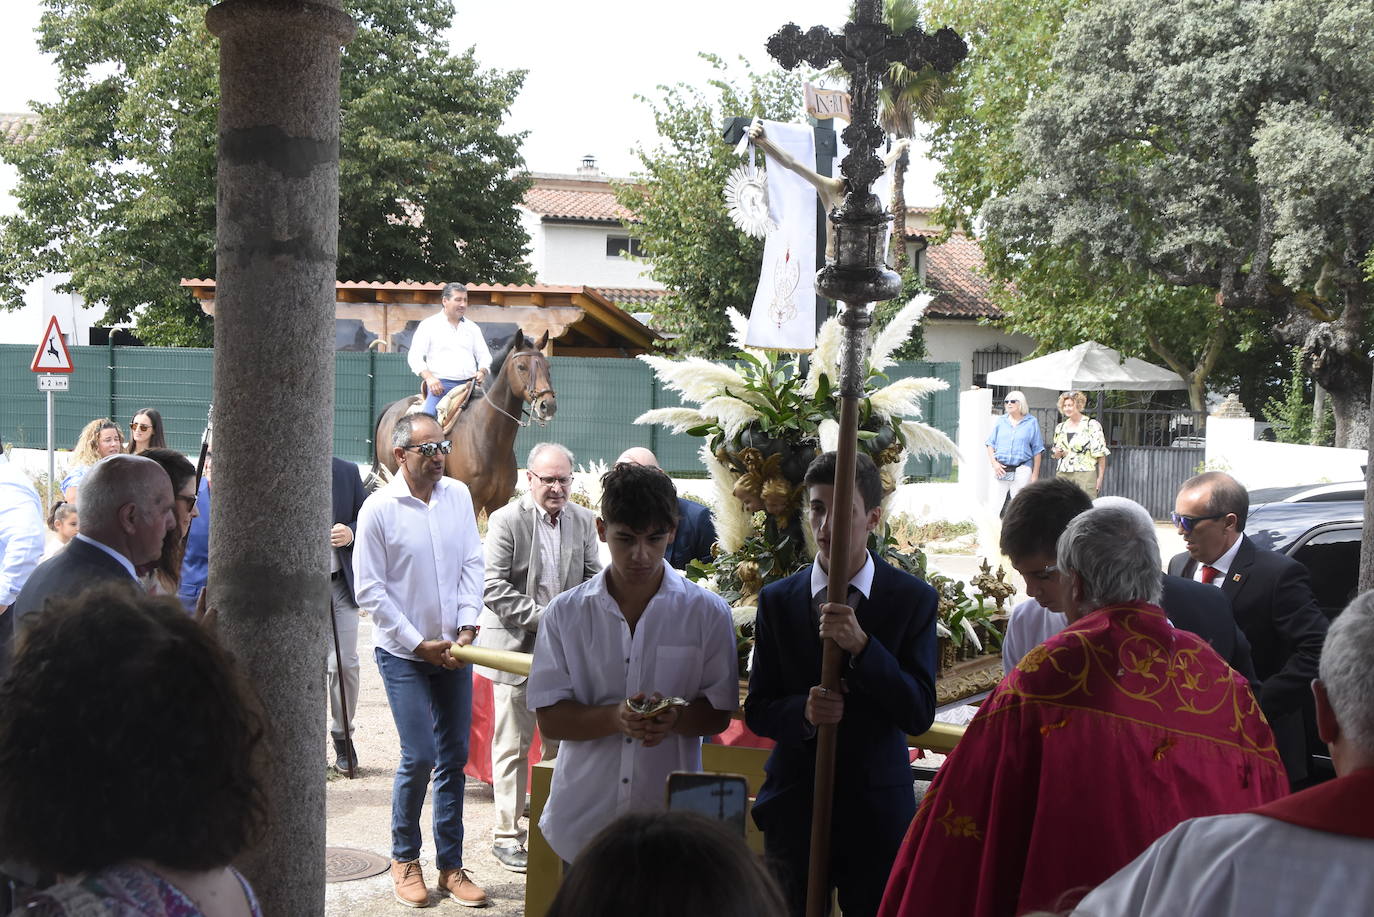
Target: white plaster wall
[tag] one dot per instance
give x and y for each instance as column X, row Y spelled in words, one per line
column 1231, row 447
column 576, row 255
column 950, row 340
column 529, row 221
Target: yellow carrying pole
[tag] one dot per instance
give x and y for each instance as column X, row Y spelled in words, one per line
column 505, row 660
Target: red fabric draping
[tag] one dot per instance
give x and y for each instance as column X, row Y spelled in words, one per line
column 1102, row 739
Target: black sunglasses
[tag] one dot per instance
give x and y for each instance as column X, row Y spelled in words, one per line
column 429, row 450
column 1186, row 523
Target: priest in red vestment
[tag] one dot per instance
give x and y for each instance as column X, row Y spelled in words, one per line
column 1103, row 738
column 1309, row 853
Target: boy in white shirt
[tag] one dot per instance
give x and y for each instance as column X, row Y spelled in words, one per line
column 636, row 630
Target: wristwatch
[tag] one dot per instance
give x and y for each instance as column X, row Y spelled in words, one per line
column 471, row 627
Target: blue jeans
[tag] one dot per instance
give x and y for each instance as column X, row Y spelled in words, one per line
column 432, row 708
column 432, row 400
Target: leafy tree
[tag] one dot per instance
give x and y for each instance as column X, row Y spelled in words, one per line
column 691, row 245
column 1294, row 417
column 1218, row 146
column 1048, row 288
column 117, row 184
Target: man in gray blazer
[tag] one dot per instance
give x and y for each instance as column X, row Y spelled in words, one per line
column 536, row 547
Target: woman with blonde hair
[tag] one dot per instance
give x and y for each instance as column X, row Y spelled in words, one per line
column 98, row 439
column 1080, row 445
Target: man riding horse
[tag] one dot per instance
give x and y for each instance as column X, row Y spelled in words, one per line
column 448, row 350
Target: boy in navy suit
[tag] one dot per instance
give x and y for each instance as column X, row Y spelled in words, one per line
column 887, row 632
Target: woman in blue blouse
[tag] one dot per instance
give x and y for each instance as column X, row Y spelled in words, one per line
column 1014, row 447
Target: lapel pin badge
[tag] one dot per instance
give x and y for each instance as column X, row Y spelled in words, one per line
column 1235, row 577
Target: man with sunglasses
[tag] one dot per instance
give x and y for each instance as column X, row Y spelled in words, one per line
column 417, row 563
column 536, row 547
column 1271, row 597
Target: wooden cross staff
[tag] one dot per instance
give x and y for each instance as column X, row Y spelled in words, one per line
column 856, row 277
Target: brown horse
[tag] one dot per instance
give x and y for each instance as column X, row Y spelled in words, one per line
column 483, row 434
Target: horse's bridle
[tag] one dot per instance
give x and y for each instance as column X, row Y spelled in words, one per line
column 530, row 398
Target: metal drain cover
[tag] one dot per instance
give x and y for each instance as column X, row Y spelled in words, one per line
column 345, row 864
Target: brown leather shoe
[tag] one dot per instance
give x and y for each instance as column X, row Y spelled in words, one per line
column 409, row 881
column 459, row 886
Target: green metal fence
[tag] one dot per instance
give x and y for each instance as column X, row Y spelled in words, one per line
column 598, row 400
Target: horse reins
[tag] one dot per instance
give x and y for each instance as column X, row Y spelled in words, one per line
column 530, row 397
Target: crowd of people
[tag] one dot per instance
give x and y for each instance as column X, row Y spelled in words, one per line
column 1138, row 757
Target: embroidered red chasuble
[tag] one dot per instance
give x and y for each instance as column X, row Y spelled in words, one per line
column 1103, row 738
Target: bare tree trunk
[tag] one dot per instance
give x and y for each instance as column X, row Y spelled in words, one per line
column 899, row 258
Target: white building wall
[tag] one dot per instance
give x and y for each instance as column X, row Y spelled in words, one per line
column 576, row 255
column 953, row 340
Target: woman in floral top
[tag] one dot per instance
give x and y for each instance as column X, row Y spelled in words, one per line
column 1079, row 445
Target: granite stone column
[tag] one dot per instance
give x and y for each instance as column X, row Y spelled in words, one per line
column 276, row 252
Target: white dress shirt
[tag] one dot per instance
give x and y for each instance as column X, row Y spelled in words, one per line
column 1222, row 563
column 21, row 530
column 417, row 567
column 123, row 561
column 683, row 645
column 1242, row 865
column 862, row 581
column 1031, row 624
column 449, row 351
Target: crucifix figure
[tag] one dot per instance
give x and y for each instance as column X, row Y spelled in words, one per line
column 889, row 688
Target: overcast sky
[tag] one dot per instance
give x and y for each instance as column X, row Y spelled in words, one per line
column 586, row 63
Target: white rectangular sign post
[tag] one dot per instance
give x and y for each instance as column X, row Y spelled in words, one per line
column 52, row 357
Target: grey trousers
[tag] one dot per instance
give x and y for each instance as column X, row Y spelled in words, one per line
column 346, row 619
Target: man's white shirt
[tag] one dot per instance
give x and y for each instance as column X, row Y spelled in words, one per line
column 417, row 567
column 449, row 351
column 21, row 531
column 1223, row 563
column 1242, row 865
column 683, row 645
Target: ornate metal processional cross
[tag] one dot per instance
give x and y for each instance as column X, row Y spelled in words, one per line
column 856, row 277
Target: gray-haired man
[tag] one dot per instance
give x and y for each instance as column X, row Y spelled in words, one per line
column 536, row 547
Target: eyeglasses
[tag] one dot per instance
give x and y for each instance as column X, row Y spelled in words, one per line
column 1185, row 523
column 190, row 501
column 140, row 427
column 429, row 450
column 1012, row 401
column 550, row 480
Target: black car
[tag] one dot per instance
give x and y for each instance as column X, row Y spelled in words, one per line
column 1321, row 526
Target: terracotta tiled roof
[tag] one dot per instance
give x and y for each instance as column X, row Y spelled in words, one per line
column 954, row 271
column 632, row 296
column 593, row 204
column 15, row 127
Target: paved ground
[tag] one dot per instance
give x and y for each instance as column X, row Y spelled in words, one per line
column 359, row 815
column 359, row 811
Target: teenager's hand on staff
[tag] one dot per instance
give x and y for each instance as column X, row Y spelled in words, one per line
column 824, row 706
column 839, row 624
column 435, row 652
column 340, row 536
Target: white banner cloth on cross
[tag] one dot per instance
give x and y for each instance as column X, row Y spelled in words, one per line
column 784, row 313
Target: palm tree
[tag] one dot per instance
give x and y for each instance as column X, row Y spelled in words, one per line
column 904, row 97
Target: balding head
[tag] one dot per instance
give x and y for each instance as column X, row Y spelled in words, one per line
column 126, row 504
column 637, row 455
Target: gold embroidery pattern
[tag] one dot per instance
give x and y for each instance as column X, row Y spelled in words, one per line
column 1154, row 668
column 959, row 825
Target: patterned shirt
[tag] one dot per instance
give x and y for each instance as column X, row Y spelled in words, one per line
column 1082, row 447
column 550, row 550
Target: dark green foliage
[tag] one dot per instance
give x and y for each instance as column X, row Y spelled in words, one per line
column 117, row 185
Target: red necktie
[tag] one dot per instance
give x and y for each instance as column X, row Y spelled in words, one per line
column 1209, row 573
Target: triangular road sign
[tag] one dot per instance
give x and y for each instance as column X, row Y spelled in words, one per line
column 52, row 355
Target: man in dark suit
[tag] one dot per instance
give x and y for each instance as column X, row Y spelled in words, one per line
column 1034, row 521
column 696, row 533
column 348, row 497
column 1271, row 597
column 887, row 632
column 126, row 511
